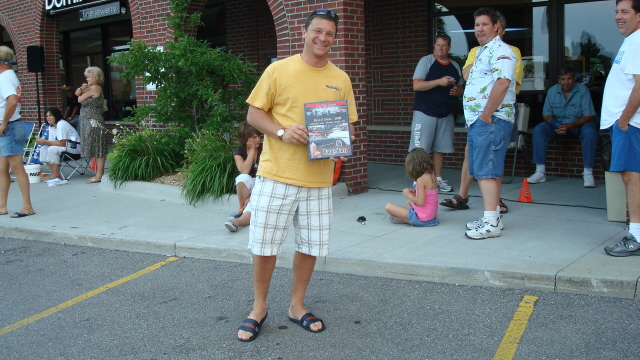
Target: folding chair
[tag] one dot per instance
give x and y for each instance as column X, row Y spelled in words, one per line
column 74, row 161
column 30, row 145
column 522, row 123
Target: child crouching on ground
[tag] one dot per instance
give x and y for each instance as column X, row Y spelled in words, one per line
column 247, row 158
column 422, row 206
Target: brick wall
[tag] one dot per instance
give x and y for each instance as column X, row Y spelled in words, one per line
column 396, row 38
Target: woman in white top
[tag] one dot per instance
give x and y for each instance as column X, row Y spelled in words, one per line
column 52, row 148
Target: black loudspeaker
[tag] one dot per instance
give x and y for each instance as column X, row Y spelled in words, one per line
column 35, row 59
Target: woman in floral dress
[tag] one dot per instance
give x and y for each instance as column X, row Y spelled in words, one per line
column 93, row 137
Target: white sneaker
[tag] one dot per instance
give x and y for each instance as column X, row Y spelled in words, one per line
column 444, row 187
column 231, row 226
column 589, row 181
column 485, row 231
column 54, row 182
column 537, row 177
column 474, row 224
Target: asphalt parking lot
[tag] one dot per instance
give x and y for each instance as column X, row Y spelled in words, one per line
column 88, row 303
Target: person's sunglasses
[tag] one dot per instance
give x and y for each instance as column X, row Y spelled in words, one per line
column 324, row 12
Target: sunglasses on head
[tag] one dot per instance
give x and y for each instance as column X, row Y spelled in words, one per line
column 324, row 12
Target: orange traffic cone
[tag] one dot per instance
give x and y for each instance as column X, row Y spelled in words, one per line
column 525, row 192
column 94, row 166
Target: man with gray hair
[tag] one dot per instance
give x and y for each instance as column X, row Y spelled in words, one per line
column 12, row 136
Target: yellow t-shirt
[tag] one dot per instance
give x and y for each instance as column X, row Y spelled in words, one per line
column 472, row 57
column 281, row 92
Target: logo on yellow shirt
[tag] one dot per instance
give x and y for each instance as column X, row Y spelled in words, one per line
column 333, row 88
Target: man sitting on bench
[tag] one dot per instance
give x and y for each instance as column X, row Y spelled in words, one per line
column 568, row 112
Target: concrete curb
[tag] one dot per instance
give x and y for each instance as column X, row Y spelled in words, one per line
column 397, row 270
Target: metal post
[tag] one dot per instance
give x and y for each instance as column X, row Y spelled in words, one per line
column 38, row 101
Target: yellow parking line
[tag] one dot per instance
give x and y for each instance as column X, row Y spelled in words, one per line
column 85, row 296
column 511, row 339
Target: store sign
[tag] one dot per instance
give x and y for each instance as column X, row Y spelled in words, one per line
column 67, row 4
column 100, row 11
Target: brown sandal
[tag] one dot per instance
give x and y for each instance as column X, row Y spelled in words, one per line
column 457, row 202
column 503, row 206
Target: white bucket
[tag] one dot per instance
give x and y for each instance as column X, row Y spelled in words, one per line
column 33, row 171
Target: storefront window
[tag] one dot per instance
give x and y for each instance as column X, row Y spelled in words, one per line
column 214, row 25
column 472, row 5
column 123, row 92
column 86, row 47
column 86, row 50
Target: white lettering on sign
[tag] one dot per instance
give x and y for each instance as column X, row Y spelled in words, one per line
column 57, row 4
column 100, row 11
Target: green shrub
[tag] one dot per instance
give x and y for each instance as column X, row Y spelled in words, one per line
column 144, row 156
column 210, row 169
column 198, row 87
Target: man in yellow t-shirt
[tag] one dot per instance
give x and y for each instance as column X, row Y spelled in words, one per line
column 460, row 200
column 289, row 185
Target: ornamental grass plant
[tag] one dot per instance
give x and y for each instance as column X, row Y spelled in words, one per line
column 144, row 156
column 209, row 169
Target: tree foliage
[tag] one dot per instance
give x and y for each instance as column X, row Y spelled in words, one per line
column 197, row 87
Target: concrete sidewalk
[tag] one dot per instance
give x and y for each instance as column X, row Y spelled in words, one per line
column 554, row 244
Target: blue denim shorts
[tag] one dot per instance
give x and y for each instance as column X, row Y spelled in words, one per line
column 413, row 217
column 13, row 141
column 487, row 147
column 625, row 146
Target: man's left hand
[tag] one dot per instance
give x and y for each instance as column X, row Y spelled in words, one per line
column 623, row 125
column 487, row 121
column 342, row 158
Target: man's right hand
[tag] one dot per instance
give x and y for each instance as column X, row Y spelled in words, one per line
column 3, row 128
column 296, row 134
column 561, row 130
column 447, row 81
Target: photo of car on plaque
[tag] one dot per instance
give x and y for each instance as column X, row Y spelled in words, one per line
column 329, row 132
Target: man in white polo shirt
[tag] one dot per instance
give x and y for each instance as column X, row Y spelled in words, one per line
column 621, row 113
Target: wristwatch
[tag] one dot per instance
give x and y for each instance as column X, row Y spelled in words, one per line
column 280, row 133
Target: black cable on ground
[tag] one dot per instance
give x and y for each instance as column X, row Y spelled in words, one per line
column 515, row 201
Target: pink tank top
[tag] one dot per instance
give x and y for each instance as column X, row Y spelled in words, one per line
column 429, row 210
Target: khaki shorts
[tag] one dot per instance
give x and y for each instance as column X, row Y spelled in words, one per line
column 275, row 204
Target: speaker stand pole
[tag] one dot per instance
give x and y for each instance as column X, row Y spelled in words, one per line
column 38, row 102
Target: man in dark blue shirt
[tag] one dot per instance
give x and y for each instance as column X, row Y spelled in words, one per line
column 568, row 112
column 437, row 82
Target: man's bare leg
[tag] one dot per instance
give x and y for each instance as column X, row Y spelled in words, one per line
column 632, row 187
column 5, row 183
column 262, row 270
column 438, row 163
column 15, row 161
column 303, row 265
column 465, row 178
column 490, row 189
